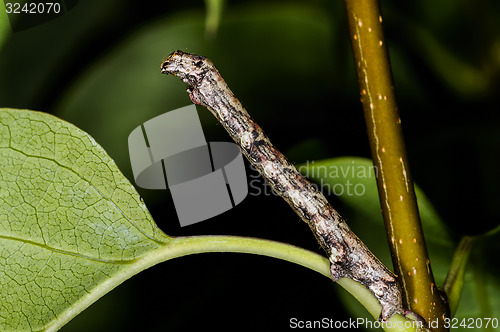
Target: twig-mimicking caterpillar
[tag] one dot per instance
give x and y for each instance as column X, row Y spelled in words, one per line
column 349, row 257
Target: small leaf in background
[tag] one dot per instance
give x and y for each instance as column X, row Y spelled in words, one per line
column 213, row 16
column 459, row 75
column 5, row 30
column 70, row 222
column 353, row 182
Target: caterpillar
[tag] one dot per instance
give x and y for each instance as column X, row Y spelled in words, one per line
column 348, row 255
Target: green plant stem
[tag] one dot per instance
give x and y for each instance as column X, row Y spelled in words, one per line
column 183, row 246
column 213, row 16
column 395, row 186
column 454, row 282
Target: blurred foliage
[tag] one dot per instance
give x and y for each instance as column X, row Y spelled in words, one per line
column 213, row 17
column 4, row 26
column 353, row 181
column 290, row 64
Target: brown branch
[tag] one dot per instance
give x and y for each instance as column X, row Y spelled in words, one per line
column 349, row 257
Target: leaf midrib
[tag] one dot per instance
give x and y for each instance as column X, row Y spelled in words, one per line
column 91, row 184
column 70, row 253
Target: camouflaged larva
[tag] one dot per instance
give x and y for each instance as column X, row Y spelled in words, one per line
column 349, row 257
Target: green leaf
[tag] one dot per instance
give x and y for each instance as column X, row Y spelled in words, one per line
column 70, row 222
column 461, row 76
column 213, row 16
column 352, row 180
column 4, row 25
column 454, row 283
column 480, row 298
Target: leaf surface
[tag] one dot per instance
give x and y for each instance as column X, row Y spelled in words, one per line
column 70, row 222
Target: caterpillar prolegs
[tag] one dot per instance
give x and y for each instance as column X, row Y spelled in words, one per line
column 349, row 257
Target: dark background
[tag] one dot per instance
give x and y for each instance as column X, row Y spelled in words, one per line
column 290, row 64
